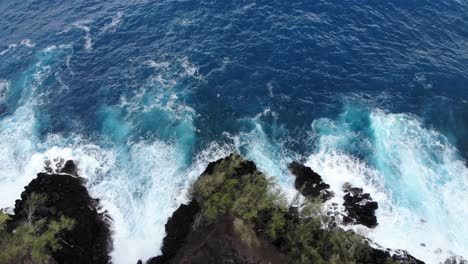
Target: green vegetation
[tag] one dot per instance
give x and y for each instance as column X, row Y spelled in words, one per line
column 34, row 238
column 225, row 192
column 3, row 218
column 276, row 225
column 233, row 189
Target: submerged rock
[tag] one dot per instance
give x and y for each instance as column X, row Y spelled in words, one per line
column 89, row 239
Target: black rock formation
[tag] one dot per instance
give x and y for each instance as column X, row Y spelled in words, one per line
column 308, row 182
column 192, row 239
column 70, row 168
column 177, row 228
column 89, row 240
column 360, row 207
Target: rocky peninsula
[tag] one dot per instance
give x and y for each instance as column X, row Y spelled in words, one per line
column 236, row 215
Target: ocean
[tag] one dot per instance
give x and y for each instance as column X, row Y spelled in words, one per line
column 144, row 94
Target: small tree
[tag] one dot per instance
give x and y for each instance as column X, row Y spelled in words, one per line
column 3, row 218
column 31, row 205
column 34, row 238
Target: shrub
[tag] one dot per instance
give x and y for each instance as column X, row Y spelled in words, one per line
column 276, row 225
column 34, row 238
column 226, row 192
column 301, row 240
column 3, row 218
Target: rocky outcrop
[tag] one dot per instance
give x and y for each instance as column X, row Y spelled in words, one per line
column 359, row 207
column 89, row 239
column 192, row 237
column 69, row 168
column 219, row 243
column 308, row 182
column 177, row 229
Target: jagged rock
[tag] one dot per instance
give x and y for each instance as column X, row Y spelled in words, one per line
column 89, row 240
column 405, row 257
column 308, row 182
column 216, row 243
column 192, row 238
column 70, row 168
column 177, row 228
column 359, row 206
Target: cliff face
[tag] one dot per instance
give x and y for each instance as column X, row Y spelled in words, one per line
column 66, row 196
column 204, row 232
column 236, row 216
column 217, row 242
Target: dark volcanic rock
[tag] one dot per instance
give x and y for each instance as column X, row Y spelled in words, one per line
column 192, row 238
column 211, row 244
column 308, row 182
column 405, row 257
column 177, row 228
column 360, row 207
column 374, row 255
column 215, row 243
column 70, row 168
column 89, row 240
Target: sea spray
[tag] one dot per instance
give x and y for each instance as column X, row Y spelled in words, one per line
column 19, row 160
column 413, row 172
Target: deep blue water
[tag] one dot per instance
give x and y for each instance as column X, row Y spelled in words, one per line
column 144, row 94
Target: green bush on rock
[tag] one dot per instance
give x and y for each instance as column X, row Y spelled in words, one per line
column 228, row 191
column 233, row 187
column 3, row 218
column 34, row 238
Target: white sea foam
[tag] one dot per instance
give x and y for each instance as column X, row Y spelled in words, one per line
column 416, row 177
column 10, row 47
column 54, row 47
column 270, row 89
column 17, row 166
column 158, row 65
column 28, row 43
column 25, row 42
column 168, row 73
column 112, row 26
column 269, row 155
column 147, row 179
column 18, row 145
column 87, row 37
column 4, row 88
column 190, row 69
